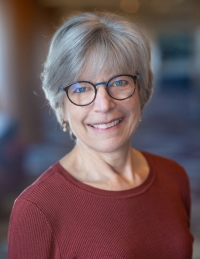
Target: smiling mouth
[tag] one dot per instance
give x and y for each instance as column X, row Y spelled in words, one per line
column 107, row 125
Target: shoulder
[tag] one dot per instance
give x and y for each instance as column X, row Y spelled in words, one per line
column 45, row 191
column 170, row 173
column 164, row 164
column 167, row 168
column 41, row 182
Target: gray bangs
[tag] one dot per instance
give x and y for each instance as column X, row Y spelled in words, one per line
column 106, row 57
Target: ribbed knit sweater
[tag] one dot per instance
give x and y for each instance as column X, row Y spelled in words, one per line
column 60, row 217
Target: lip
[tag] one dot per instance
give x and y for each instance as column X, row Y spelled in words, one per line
column 107, row 122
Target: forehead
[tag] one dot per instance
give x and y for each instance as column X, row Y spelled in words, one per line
column 94, row 76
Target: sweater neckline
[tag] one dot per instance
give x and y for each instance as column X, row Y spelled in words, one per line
column 109, row 193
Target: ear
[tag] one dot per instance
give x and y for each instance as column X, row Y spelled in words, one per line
column 64, row 118
column 63, row 113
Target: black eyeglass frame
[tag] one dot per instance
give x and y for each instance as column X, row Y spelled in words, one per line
column 134, row 77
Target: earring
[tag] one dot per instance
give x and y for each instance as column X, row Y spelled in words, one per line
column 140, row 119
column 64, row 124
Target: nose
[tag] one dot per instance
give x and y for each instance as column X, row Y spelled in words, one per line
column 103, row 102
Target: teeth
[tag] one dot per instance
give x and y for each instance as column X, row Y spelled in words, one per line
column 108, row 125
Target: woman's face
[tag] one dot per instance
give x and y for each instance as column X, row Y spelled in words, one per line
column 106, row 125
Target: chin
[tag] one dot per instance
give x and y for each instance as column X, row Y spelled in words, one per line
column 108, row 146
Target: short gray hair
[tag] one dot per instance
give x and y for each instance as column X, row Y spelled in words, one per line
column 108, row 41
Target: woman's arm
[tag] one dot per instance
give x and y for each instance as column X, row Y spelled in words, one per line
column 30, row 235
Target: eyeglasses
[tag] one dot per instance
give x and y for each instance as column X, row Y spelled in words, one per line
column 119, row 87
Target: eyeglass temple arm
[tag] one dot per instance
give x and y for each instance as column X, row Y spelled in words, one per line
column 62, row 88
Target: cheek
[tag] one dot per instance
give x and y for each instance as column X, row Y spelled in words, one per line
column 74, row 114
column 134, row 106
column 70, row 110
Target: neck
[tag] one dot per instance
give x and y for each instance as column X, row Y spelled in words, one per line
column 92, row 166
column 115, row 161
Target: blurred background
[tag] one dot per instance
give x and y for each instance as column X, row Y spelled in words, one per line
column 31, row 139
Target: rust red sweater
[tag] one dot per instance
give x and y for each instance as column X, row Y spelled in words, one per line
column 60, row 217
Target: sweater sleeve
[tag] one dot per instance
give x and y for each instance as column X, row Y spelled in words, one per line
column 30, row 235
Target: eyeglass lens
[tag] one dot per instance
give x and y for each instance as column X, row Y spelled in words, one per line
column 83, row 93
column 121, row 87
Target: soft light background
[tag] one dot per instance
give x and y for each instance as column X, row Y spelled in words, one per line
column 30, row 138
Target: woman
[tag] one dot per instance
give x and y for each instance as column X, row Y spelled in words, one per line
column 104, row 199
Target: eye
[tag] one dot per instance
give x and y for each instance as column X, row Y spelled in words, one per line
column 120, row 83
column 80, row 90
